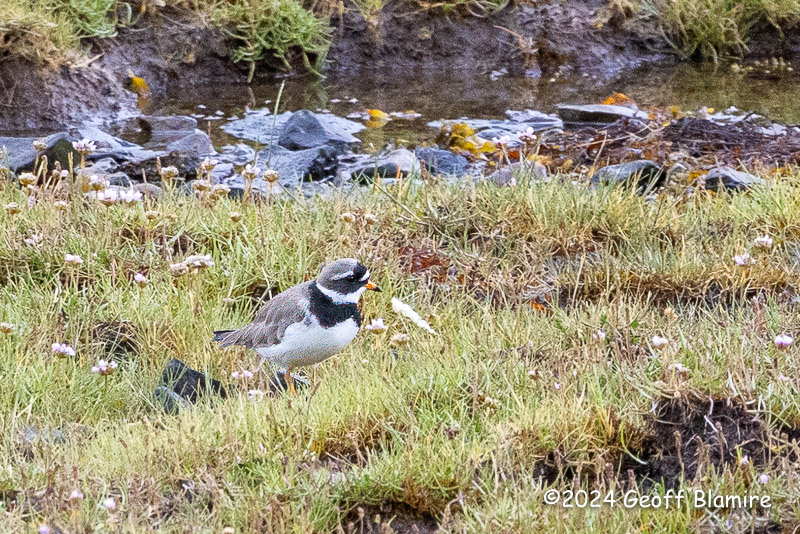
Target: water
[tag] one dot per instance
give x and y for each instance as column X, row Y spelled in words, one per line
column 452, row 95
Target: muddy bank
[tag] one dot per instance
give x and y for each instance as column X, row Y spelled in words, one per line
column 540, row 39
column 176, row 51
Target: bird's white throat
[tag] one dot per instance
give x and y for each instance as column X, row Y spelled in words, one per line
column 341, row 298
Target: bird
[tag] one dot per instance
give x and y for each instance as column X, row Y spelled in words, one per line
column 308, row 323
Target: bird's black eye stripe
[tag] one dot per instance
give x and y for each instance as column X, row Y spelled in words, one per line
column 358, row 272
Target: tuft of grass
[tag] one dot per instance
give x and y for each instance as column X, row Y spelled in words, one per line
column 711, row 29
column 468, row 428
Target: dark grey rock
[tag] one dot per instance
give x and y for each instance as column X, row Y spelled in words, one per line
column 21, row 155
column 537, row 120
column 597, row 113
column 295, row 166
column 181, row 385
column 32, row 435
column 197, row 144
column 304, row 130
column 725, row 178
column 239, row 154
column 258, row 126
column 221, row 171
column 147, row 190
column 442, row 161
column 507, row 175
column 119, row 179
column 105, row 142
column 400, row 161
column 103, row 166
column 642, row 173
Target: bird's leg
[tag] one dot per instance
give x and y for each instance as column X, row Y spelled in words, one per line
column 290, row 382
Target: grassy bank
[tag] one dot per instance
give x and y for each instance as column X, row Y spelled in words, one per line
column 513, row 396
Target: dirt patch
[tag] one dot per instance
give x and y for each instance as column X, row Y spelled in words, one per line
column 689, row 437
column 533, row 38
column 387, row 518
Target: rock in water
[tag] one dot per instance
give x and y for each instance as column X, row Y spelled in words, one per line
column 304, row 130
column 181, row 386
column 725, row 178
column 21, row 154
column 442, row 161
column 400, row 161
column 597, row 114
column 643, row 173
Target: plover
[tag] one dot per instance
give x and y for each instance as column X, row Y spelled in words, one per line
column 307, row 323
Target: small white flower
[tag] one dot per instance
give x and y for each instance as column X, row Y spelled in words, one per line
column 130, row 196
column 528, row 137
column 72, row 259
column 140, row 279
column 501, row 142
column 599, row 336
column 208, row 164
column 247, row 374
column 12, row 208
column 783, row 378
column 235, row 216
column 198, row 262
column 97, row 183
column 107, row 197
column 62, row 349
column 104, row 367
column 764, row 478
column 369, row 218
column 348, row 217
column 377, row 326
column 744, row 460
column 400, row 339
column 28, row 178
column 271, row 176
column 43, row 529
column 255, row 395
column 659, row 341
column 251, row 172
column 84, row 146
column 76, row 495
column 783, row 341
column 110, row 504
column 678, row 367
column 764, row 242
column 744, row 259
column 6, row 328
column 235, row 375
column 556, row 386
column 168, row 173
column 33, row 241
column 60, row 205
column 64, row 173
column 178, row 269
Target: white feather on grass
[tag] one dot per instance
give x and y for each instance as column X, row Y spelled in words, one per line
column 404, row 309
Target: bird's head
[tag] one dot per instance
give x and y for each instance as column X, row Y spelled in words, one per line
column 345, row 280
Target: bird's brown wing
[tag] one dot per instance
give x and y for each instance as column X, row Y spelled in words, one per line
column 273, row 319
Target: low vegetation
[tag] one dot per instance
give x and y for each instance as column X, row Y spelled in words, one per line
column 587, row 339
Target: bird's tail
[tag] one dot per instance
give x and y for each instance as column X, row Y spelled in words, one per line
column 220, row 335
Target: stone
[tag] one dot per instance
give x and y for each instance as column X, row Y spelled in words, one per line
column 239, row 154
column 196, row 144
column 537, row 120
column 182, row 386
column 103, row 166
column 643, row 172
column 507, row 175
column 442, row 161
column 221, row 171
column 265, row 128
column 295, row 166
column 119, row 179
column 304, row 130
column 725, row 178
column 597, row 114
column 21, row 154
column 400, row 161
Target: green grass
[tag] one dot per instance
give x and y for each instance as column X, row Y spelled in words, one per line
column 460, row 425
column 712, row 29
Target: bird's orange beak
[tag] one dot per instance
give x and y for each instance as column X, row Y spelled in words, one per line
column 372, row 286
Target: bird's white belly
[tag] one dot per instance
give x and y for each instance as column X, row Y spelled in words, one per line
column 309, row 343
